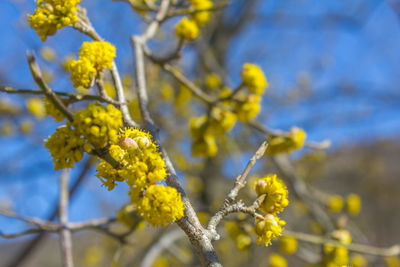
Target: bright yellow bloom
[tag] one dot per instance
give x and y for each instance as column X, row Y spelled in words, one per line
column 110, row 90
column 101, row 54
column 276, row 198
column 392, row 261
column 35, row 106
column 201, row 17
column 98, row 124
column 134, row 109
column 66, row 147
column 184, row 96
column 288, row 244
column 335, row 203
column 221, row 121
column 358, row 260
column 286, row 143
column 213, row 81
column 82, row 72
column 52, row 15
column 335, row 256
column 93, row 57
column 186, row 29
column 248, row 108
column 198, row 126
column 253, row 77
column 268, row 229
column 51, row 110
column 161, row 205
column 353, row 204
column 343, row 236
column 276, row 260
column 107, row 174
column 243, row 242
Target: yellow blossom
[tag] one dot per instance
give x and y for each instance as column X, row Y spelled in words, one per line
column 222, row 121
column 268, row 229
column 335, row 256
column 286, row 143
column 48, row 53
column 275, row 260
column 186, row 29
column 101, row 54
column 353, row 204
column 276, row 194
column 201, row 17
column 98, row 124
column 66, row 147
column 392, row 261
column 52, row 15
column 204, row 147
column 82, row 72
column 248, row 107
column 35, row 106
column 161, row 205
column 253, row 77
column 110, row 90
column 343, row 236
column 213, row 81
column 335, row 203
column 288, row 244
column 358, row 260
column 127, row 215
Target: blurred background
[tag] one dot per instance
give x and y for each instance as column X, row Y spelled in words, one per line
column 333, row 69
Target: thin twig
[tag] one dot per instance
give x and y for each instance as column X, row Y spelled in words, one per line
column 65, row 233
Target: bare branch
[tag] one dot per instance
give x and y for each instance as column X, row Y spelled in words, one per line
column 65, row 233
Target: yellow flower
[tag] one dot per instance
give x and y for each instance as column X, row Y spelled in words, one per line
column 134, row 109
column 392, row 261
column 35, row 106
column 276, row 260
column 161, row 205
column 93, row 57
column 335, row 256
column 286, row 143
column 268, row 229
column 66, row 147
column 213, row 81
column 98, row 124
column 52, row 110
column 343, row 236
column 353, row 204
column 358, row 260
column 187, row 29
column 276, row 194
column 335, row 203
column 221, row 122
column 243, row 242
column 288, row 244
column 82, row 72
column 248, row 108
column 253, row 77
column 52, row 15
column 201, row 17
column 110, row 90
column 184, row 96
column 101, row 54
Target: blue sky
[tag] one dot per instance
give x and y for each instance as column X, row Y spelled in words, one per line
column 358, row 53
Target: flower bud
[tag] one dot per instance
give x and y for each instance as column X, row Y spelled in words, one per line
column 128, row 143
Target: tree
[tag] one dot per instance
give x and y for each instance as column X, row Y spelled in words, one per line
column 116, row 129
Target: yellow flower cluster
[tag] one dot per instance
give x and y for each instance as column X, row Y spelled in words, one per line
column 204, row 130
column 254, row 79
column 358, row 260
column 202, row 14
column 93, row 57
column 274, row 198
column 248, row 107
column 187, row 29
column 335, row 203
column 52, row 15
column 288, row 244
column 353, row 204
column 141, row 167
column 275, row 260
column 161, row 205
column 98, row 124
column 51, row 110
column 337, row 255
column 65, row 146
column 35, row 106
column 286, row 143
column 268, row 229
column 275, row 191
column 213, row 81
